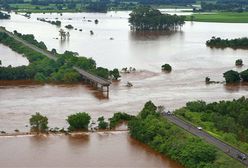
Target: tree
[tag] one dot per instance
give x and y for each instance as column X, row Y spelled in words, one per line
column 145, row 18
column 40, row 77
column 102, row 124
column 115, row 74
column 244, row 75
column 148, row 109
column 166, row 67
column 231, row 76
column 239, row 62
column 78, row 121
column 207, row 80
column 38, row 123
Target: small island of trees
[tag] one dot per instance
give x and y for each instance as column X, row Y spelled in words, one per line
column 238, row 43
column 232, row 76
column 4, row 16
column 149, row 19
column 166, row 67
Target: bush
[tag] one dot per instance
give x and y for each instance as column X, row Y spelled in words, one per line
column 115, row 74
column 38, row 123
column 166, row 67
column 239, row 62
column 119, row 117
column 196, row 106
column 78, row 121
column 232, row 76
column 244, row 75
column 69, row 26
column 102, row 124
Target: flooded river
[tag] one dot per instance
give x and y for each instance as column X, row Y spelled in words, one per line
column 92, row 150
column 185, row 50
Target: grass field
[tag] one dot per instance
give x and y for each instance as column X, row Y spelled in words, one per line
column 223, row 17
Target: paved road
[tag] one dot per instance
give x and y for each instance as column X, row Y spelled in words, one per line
column 229, row 150
column 90, row 76
column 49, row 55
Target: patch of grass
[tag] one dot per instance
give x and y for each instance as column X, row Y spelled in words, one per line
column 224, row 161
column 223, row 17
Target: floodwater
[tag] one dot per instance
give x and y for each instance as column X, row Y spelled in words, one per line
column 9, row 57
column 185, row 50
column 90, row 150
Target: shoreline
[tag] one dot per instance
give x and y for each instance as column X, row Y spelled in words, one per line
column 75, row 133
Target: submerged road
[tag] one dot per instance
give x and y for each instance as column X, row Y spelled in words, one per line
column 87, row 75
column 229, row 150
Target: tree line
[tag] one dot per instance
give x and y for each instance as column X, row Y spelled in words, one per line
column 43, row 69
column 225, row 5
column 237, row 43
column 80, row 121
column 227, row 119
column 148, row 19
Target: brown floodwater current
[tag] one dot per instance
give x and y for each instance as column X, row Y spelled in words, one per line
column 185, row 50
column 114, row 149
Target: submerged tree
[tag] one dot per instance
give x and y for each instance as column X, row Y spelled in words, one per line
column 149, row 19
column 231, row 76
column 78, row 121
column 38, row 123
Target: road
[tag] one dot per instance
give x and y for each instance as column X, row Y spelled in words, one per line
column 33, row 47
column 88, row 75
column 229, row 150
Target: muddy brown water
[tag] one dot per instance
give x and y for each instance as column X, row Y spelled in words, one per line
column 115, row 149
column 185, row 50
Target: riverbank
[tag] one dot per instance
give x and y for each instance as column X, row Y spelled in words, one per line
column 222, row 17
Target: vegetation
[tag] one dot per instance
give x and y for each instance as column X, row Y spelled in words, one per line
column 231, row 76
column 226, row 120
column 239, row 62
column 225, row 5
column 166, row 67
column 192, row 152
column 38, row 123
column 30, row 39
column 102, row 124
column 78, row 121
column 90, row 6
column 69, row 26
column 244, row 75
column 43, row 69
column 57, row 22
column 223, row 43
column 149, row 19
column 115, row 74
column 224, row 17
column 4, row 15
column 235, row 77
column 119, row 117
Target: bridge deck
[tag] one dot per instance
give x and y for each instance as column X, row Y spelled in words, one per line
column 92, row 77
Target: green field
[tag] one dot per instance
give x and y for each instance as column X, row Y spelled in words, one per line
column 51, row 8
column 223, row 17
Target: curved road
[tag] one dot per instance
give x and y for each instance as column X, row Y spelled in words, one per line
column 229, row 150
column 86, row 74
